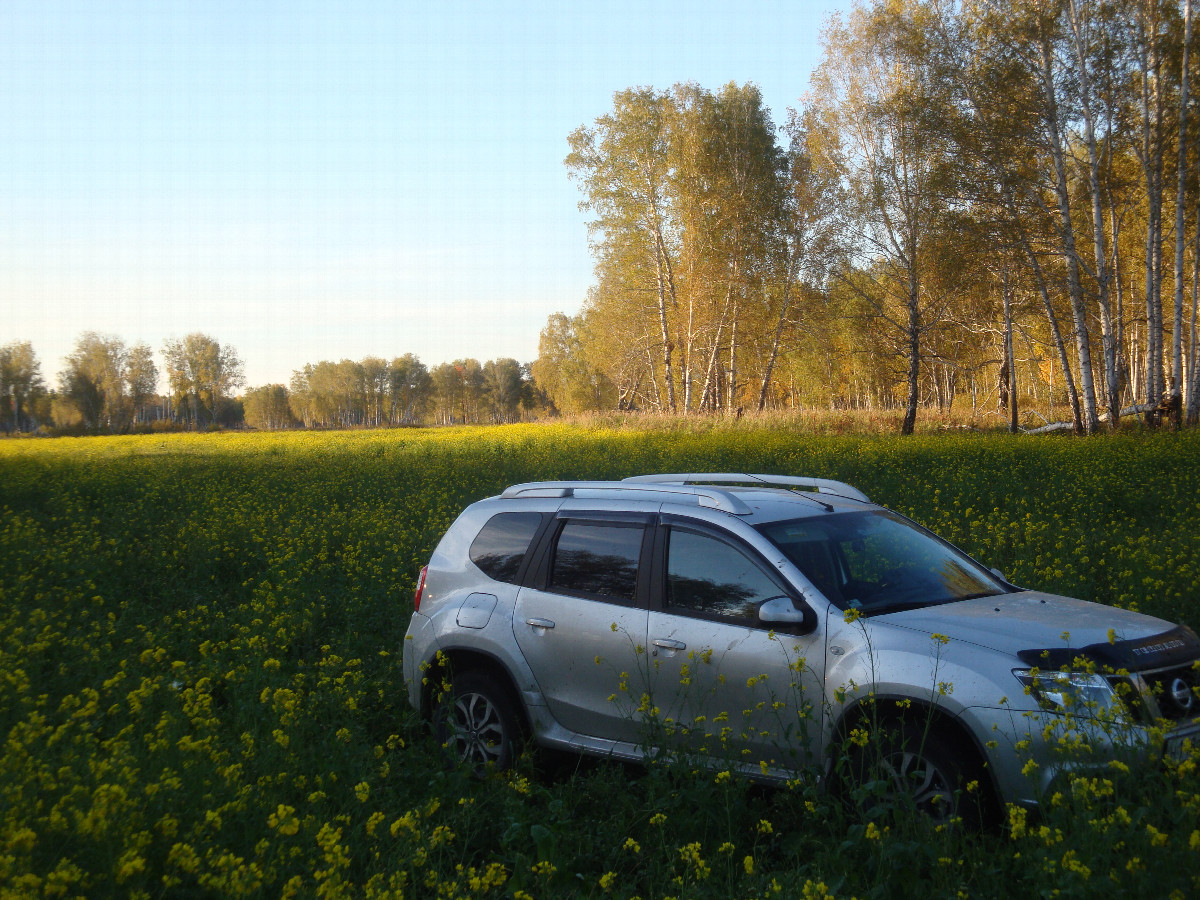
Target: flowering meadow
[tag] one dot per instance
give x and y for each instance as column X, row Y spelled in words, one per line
column 201, row 692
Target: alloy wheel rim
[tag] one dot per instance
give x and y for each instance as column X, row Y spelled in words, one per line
column 476, row 730
column 911, row 775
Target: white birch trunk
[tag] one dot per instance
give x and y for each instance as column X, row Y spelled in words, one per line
column 1083, row 350
column 1180, row 199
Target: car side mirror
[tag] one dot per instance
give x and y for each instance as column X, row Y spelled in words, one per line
column 783, row 612
column 998, row 574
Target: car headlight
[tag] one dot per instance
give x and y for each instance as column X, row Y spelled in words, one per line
column 1074, row 693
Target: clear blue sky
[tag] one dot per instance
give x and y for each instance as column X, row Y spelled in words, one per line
column 330, row 180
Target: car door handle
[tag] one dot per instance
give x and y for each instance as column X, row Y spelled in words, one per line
column 539, row 623
column 665, row 644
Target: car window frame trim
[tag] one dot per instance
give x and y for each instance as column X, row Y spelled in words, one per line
column 707, row 529
column 538, row 577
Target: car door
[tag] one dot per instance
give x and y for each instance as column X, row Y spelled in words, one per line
column 725, row 684
column 581, row 621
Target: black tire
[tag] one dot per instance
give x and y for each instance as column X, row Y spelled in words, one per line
column 924, row 772
column 478, row 723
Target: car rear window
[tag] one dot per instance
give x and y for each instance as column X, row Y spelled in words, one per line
column 501, row 545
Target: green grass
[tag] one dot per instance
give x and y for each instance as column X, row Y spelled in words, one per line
column 200, row 688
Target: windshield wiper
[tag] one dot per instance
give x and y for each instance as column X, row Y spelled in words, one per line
column 898, row 605
column 981, row 594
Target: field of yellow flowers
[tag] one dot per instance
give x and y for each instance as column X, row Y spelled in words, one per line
column 201, row 695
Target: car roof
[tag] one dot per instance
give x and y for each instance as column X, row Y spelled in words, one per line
column 772, row 505
column 753, row 498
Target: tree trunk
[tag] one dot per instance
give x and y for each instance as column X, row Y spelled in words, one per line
column 666, row 285
column 1180, row 199
column 1083, row 350
column 650, row 369
column 1154, row 318
column 1056, row 334
column 1009, row 361
column 1079, row 29
column 1123, row 366
column 710, row 369
column 914, row 350
column 731, row 398
column 1152, row 166
column 1193, row 402
column 783, row 311
column 688, row 352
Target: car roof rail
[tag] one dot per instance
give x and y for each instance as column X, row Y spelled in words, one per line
column 821, row 485
column 708, row 496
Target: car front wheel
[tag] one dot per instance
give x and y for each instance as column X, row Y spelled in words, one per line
column 921, row 771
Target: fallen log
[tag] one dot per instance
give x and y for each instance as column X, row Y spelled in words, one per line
column 1135, row 410
column 1046, row 429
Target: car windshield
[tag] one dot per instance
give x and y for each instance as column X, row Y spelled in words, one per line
column 879, row 562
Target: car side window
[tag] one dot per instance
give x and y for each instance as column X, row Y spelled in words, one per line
column 500, row 547
column 598, row 558
column 708, row 575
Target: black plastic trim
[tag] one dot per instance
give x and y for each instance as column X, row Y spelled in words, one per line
column 1175, row 647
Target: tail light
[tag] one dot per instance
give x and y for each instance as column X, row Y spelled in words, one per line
column 420, row 588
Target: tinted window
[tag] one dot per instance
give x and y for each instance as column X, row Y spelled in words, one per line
column 501, row 545
column 598, row 558
column 710, row 576
column 879, row 562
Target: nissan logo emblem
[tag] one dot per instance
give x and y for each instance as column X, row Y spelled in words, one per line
column 1181, row 693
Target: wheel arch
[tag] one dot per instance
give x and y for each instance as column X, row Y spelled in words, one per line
column 894, row 710
column 448, row 661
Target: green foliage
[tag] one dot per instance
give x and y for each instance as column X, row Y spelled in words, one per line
column 106, row 384
column 967, row 175
column 267, row 407
column 687, row 192
column 20, row 386
column 201, row 690
column 561, row 370
column 202, row 374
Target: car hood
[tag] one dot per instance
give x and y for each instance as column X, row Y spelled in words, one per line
column 1029, row 623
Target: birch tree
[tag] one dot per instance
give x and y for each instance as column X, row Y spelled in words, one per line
column 809, row 239
column 93, row 381
column 741, row 190
column 20, row 385
column 409, row 390
column 879, row 88
column 201, row 373
column 141, row 379
column 1184, row 379
column 267, row 407
column 623, row 166
column 1148, row 34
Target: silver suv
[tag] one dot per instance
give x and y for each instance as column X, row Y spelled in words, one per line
column 782, row 627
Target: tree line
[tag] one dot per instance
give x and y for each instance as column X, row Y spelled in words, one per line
column 106, row 386
column 995, row 200
column 374, row 392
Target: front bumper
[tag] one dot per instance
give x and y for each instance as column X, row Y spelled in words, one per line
column 1182, row 741
column 1030, row 753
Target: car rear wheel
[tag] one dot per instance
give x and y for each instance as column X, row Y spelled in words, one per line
column 478, row 724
